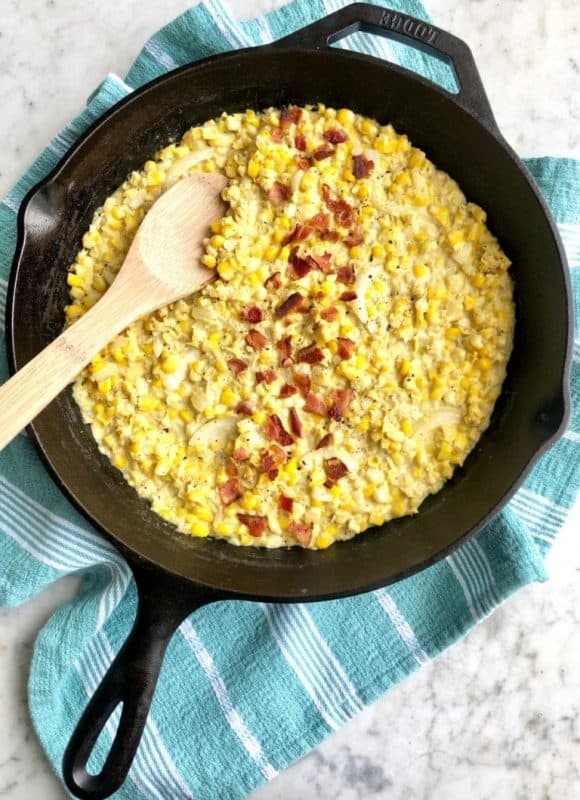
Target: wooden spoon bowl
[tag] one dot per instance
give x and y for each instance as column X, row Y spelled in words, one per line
column 163, row 265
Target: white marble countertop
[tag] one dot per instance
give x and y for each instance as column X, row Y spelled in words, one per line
column 497, row 716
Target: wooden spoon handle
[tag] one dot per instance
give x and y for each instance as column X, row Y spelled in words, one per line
column 38, row 382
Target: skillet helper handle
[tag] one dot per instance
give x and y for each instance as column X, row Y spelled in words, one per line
column 131, row 679
column 412, row 31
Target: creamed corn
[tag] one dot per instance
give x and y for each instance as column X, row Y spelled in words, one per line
column 346, row 361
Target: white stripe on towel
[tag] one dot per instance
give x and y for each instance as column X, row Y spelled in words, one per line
column 234, row 719
column 402, row 627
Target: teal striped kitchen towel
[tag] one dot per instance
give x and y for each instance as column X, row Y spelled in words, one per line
column 248, row 688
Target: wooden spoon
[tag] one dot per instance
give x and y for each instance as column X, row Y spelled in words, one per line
column 163, row 265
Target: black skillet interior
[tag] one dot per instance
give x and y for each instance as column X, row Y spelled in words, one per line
column 176, row 573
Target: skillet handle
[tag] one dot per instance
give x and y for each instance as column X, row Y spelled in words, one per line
column 412, row 31
column 164, row 602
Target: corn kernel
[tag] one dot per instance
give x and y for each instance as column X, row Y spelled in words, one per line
column 148, row 403
column 170, row 364
column 186, row 415
column 226, row 270
column 363, row 425
column 455, row 237
column 250, row 502
column 406, row 427
column 345, row 116
column 120, row 461
column 253, row 168
column 208, row 261
column 323, row 541
column 452, row 333
column 200, row 528
column 405, row 367
column 399, row 507
column 441, row 214
column 259, row 417
column 204, row 513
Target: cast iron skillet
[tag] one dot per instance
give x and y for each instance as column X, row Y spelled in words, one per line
column 176, row 574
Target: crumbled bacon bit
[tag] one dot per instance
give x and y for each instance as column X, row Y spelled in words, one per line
column 304, row 162
column 256, row 340
column 279, row 193
column 343, row 212
column 301, row 231
column 310, row 355
column 329, row 313
column 318, row 222
column 232, row 470
column 230, row 491
column 291, row 235
column 255, row 525
column 354, row 237
column 300, row 142
column 362, row 166
column 244, row 408
column 302, row 531
column 268, row 465
column 236, row 365
column 298, row 233
column 299, row 267
column 335, row 468
column 252, row 314
column 289, row 116
column 345, row 348
column 276, row 135
column 326, row 441
column 276, row 432
column 347, row 296
column 240, row 454
column 335, row 136
column 289, row 304
column 286, row 503
column 295, row 423
column 341, row 399
column 315, row 404
column 273, row 282
column 323, row 262
column 330, row 236
column 303, row 381
column 267, row 376
column 288, row 390
column 345, row 275
column 284, row 347
column 322, row 152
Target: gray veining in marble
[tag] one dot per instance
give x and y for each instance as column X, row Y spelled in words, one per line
column 497, row 716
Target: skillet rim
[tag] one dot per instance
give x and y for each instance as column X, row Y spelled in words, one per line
column 133, row 556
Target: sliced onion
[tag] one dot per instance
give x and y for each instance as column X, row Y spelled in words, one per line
column 361, row 285
column 215, row 432
column 439, row 419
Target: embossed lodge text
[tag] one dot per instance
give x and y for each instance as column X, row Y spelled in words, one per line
column 412, row 27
